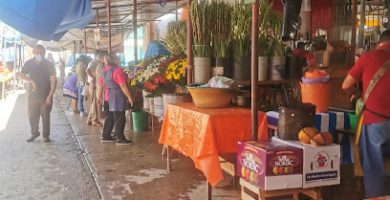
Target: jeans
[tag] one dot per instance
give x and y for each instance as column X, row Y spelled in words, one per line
column 374, row 145
column 80, row 97
column 116, row 118
column 37, row 109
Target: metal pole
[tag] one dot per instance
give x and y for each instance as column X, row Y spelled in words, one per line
column 85, row 41
column 353, row 37
column 74, row 53
column 97, row 26
column 362, row 22
column 190, row 59
column 177, row 12
column 135, row 31
column 109, row 24
column 254, row 66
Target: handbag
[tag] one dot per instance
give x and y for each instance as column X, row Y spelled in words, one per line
column 292, row 118
column 360, row 103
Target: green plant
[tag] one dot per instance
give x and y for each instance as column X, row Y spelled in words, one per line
column 201, row 26
column 241, row 24
column 176, row 37
column 221, row 31
column 278, row 45
column 270, row 24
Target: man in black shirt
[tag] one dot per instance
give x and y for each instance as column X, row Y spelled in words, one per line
column 40, row 73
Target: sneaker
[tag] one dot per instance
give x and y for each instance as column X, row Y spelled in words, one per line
column 123, row 142
column 89, row 123
column 46, row 140
column 82, row 114
column 108, row 140
column 32, row 138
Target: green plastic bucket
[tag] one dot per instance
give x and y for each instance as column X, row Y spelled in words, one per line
column 140, row 121
column 353, row 118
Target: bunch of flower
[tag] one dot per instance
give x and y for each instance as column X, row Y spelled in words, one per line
column 153, row 78
column 176, row 71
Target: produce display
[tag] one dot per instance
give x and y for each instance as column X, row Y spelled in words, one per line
column 310, row 135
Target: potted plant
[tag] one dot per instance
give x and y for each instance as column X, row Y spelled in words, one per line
column 221, row 34
column 176, row 37
column 278, row 59
column 265, row 37
column 201, row 26
column 241, row 23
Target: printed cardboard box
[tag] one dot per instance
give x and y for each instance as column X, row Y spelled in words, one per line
column 321, row 165
column 270, row 165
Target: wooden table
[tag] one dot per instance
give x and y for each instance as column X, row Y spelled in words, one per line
column 202, row 134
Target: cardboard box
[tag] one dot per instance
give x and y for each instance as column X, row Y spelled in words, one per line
column 321, row 165
column 270, row 165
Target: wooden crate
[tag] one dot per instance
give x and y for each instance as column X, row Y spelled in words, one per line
column 251, row 192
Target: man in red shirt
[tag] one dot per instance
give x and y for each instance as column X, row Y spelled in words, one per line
column 375, row 135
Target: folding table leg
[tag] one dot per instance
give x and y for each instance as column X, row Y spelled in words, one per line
column 209, row 191
column 168, row 159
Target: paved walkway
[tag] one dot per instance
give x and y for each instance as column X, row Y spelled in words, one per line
column 76, row 165
column 40, row 170
column 138, row 171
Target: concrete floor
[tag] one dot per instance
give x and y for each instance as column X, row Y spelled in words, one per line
column 40, row 170
column 139, row 171
column 77, row 166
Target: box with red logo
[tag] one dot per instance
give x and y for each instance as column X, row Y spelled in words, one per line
column 321, row 164
column 270, row 165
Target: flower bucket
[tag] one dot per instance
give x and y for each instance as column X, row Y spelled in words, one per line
column 140, row 120
column 241, row 69
column 146, row 103
column 151, row 104
column 263, row 67
column 202, row 69
column 158, row 106
column 278, row 68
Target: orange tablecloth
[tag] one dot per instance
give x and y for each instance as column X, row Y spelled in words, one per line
column 202, row 134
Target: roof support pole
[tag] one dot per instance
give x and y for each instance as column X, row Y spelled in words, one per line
column 85, row 41
column 109, row 24
column 353, row 37
column 362, row 22
column 190, row 59
column 254, row 66
column 97, row 26
column 135, row 31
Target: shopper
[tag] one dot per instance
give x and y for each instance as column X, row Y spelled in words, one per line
column 93, row 116
column 375, row 133
column 81, row 67
column 116, row 100
column 41, row 75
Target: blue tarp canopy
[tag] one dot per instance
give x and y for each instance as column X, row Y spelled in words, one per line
column 46, row 19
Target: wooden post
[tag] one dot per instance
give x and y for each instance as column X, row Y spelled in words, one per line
column 353, row 37
column 190, row 59
column 109, row 23
column 135, row 31
column 254, row 69
column 362, row 22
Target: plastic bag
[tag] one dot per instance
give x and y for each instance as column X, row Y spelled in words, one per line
column 219, row 82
